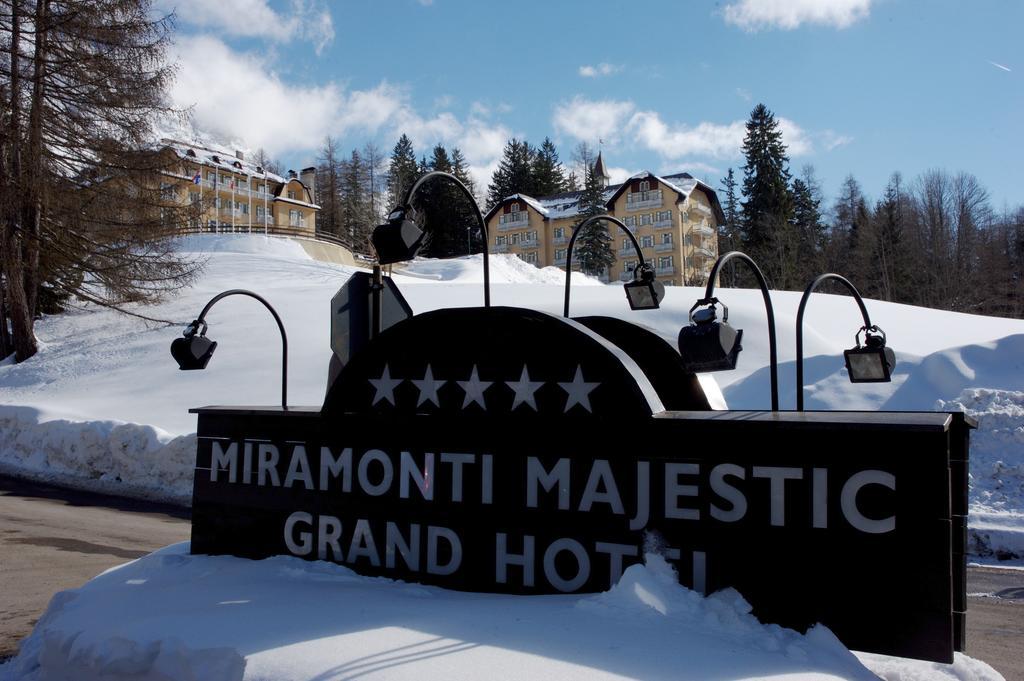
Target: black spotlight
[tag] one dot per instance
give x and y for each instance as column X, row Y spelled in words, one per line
column 707, row 344
column 193, row 351
column 873, row 362
column 398, row 239
column 644, row 292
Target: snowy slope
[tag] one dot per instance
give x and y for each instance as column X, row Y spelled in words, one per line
column 103, row 406
column 284, row 618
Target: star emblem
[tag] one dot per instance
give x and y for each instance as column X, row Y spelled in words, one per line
column 474, row 388
column 578, row 391
column 385, row 386
column 524, row 389
column 428, row 388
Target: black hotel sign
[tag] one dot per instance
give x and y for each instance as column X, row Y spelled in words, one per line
column 507, row 450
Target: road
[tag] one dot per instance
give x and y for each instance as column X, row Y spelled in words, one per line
column 53, row 539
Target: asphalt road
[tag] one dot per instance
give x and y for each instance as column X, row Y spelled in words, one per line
column 53, row 539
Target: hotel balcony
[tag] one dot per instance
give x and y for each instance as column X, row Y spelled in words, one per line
column 626, row 276
column 506, row 224
column 528, row 243
column 558, row 262
column 663, row 224
column 664, row 271
column 641, row 200
column 664, row 248
column 559, row 240
column 700, row 208
column 704, row 229
column 705, row 252
column 499, row 248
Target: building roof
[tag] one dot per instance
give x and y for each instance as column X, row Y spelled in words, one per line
column 218, row 158
column 566, row 205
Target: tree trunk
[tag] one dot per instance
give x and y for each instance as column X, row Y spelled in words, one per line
column 34, row 176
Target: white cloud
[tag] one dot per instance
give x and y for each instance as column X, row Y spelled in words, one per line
column 755, row 15
column 305, row 19
column 678, row 140
column 244, row 99
column 592, row 120
column 743, row 94
column 610, row 120
column 619, row 175
column 602, row 69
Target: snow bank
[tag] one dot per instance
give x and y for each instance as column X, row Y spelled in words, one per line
column 173, row 615
column 505, row 269
column 124, row 459
column 996, row 521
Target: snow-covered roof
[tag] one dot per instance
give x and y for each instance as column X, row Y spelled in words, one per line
column 218, row 158
column 285, row 199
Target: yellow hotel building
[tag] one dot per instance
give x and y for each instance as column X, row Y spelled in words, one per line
column 674, row 217
column 239, row 195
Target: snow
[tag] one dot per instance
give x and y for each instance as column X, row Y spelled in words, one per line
column 102, row 406
column 284, row 618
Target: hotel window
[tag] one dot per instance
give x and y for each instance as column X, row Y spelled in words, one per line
column 530, row 257
column 664, row 215
column 291, row 194
column 645, row 219
column 211, row 177
column 559, row 232
column 628, row 266
column 500, row 240
column 666, row 238
column 626, row 243
column 629, row 221
column 559, row 254
column 665, row 262
column 259, row 211
column 513, row 208
column 514, row 238
column 645, row 186
column 531, row 236
column 646, row 241
column 193, row 197
column 295, row 218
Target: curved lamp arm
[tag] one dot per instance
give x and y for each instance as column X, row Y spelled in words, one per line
column 284, row 337
column 800, row 326
column 476, row 208
column 572, row 242
column 709, row 297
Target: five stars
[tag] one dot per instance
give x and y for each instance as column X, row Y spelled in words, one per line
column 385, row 386
column 428, row 388
column 474, row 388
column 524, row 390
column 578, row 391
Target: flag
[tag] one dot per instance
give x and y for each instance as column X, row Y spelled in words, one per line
column 197, row 178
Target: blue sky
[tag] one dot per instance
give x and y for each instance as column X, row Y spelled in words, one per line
column 862, row 86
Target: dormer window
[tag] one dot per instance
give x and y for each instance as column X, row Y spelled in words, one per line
column 514, row 208
column 191, row 152
column 216, row 159
column 237, row 164
column 645, row 186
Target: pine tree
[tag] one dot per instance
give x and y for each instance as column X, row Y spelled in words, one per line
column 728, row 231
column 890, row 217
column 548, row 173
column 376, row 183
column 402, row 171
column 808, row 227
column 514, row 174
column 767, row 205
column 354, row 226
column 466, row 213
column 328, row 182
column 593, row 250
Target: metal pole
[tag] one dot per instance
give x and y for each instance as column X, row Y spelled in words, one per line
column 709, row 295
column 280, row 326
column 572, row 241
column 800, row 326
column 376, row 302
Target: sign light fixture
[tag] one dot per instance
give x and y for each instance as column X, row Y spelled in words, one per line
column 708, row 344
column 872, row 362
column 193, row 350
column 644, row 292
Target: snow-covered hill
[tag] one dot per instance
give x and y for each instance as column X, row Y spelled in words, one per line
column 103, row 406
